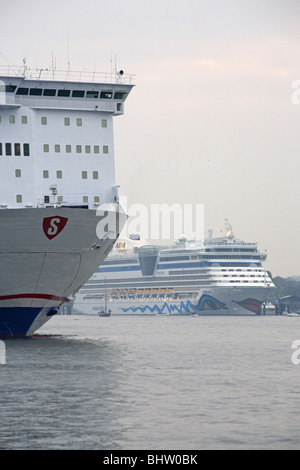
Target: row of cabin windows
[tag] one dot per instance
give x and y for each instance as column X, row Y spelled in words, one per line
column 44, row 121
column 12, row 119
column 16, row 149
column 19, row 149
column 63, row 93
column 59, row 174
column 85, row 199
column 79, row 148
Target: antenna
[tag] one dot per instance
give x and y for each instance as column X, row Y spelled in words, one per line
column 24, row 66
column 68, row 50
column 111, row 66
column 10, row 65
column 53, row 66
column 228, row 229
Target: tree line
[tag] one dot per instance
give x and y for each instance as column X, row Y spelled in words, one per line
column 286, row 286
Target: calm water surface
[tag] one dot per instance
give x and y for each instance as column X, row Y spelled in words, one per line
column 153, row 383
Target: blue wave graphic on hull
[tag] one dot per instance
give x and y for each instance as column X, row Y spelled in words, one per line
column 206, row 302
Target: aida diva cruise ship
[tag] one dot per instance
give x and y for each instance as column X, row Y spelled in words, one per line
column 217, row 276
column 57, row 175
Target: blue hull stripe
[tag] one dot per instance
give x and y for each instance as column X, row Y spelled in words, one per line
column 16, row 321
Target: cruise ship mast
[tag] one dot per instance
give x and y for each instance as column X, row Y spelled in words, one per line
column 228, row 229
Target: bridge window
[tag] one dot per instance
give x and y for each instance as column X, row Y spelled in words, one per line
column 36, row 91
column 92, row 94
column 77, row 94
column 63, row 93
column 107, row 95
column 120, row 95
column 10, row 88
column 49, row 92
column 22, row 91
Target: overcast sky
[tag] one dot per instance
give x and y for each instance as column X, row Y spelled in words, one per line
column 210, row 120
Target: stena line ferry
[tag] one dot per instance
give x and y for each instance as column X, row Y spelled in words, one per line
column 59, row 209
column 217, row 276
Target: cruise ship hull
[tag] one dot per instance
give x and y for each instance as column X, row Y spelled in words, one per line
column 216, row 301
column 46, row 255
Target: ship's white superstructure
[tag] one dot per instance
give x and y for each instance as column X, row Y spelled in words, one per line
column 218, row 276
column 58, row 187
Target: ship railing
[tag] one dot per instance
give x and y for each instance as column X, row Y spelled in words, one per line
column 115, row 77
column 76, row 199
column 223, row 241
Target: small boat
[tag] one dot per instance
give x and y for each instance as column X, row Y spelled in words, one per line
column 290, row 314
column 105, row 312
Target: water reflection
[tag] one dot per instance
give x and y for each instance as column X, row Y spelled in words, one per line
column 60, row 392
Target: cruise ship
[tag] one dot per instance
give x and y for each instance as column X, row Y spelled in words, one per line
column 59, row 208
column 216, row 276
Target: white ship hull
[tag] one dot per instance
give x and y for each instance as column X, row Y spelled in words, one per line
column 42, row 266
column 215, row 301
column 57, row 173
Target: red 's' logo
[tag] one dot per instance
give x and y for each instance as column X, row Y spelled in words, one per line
column 52, row 226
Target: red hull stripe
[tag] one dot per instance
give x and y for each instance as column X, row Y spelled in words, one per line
column 32, row 296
